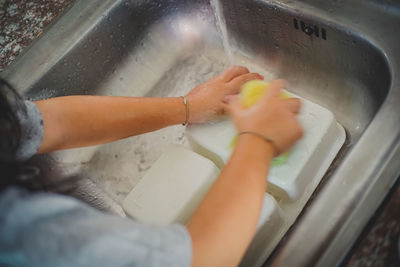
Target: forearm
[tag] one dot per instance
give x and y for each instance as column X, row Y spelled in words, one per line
column 225, row 222
column 75, row 121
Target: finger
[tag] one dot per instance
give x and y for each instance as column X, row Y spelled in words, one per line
column 226, row 109
column 229, row 98
column 293, row 104
column 237, row 82
column 233, row 72
column 273, row 91
column 233, row 105
column 275, row 87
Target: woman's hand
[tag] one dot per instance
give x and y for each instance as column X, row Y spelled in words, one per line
column 206, row 100
column 76, row 121
column 220, row 235
column 272, row 117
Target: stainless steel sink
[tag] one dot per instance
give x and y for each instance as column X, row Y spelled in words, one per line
column 342, row 55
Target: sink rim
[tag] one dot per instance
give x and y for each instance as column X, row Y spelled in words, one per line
column 383, row 134
column 384, row 127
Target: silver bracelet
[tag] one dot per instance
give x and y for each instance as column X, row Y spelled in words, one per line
column 187, row 111
column 267, row 139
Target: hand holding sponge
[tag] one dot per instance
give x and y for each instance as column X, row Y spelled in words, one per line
column 250, row 93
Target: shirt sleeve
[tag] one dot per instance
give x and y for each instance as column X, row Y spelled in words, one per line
column 53, row 230
column 31, row 130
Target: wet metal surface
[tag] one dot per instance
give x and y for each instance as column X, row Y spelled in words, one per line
column 340, row 54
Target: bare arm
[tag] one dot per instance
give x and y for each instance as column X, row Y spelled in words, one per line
column 76, row 121
column 225, row 222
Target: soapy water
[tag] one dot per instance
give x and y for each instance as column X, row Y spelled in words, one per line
column 175, row 76
column 116, row 176
column 171, row 75
column 192, row 71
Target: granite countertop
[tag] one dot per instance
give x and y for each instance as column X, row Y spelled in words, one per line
column 22, row 21
column 379, row 244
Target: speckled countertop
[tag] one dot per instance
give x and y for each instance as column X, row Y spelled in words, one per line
column 22, row 21
column 379, row 245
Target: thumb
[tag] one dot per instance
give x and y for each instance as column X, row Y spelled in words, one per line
column 231, row 104
column 292, row 104
column 273, row 90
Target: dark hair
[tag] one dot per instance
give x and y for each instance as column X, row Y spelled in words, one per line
column 12, row 171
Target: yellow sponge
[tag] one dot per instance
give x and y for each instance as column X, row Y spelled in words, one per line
column 253, row 91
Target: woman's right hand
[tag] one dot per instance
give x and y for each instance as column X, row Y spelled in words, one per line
column 272, row 117
column 219, row 234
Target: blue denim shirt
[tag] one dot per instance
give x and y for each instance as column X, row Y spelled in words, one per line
column 44, row 229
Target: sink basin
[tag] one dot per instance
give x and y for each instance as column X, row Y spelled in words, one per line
column 342, row 55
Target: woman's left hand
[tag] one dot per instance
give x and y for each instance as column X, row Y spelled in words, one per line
column 206, row 100
column 77, row 121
